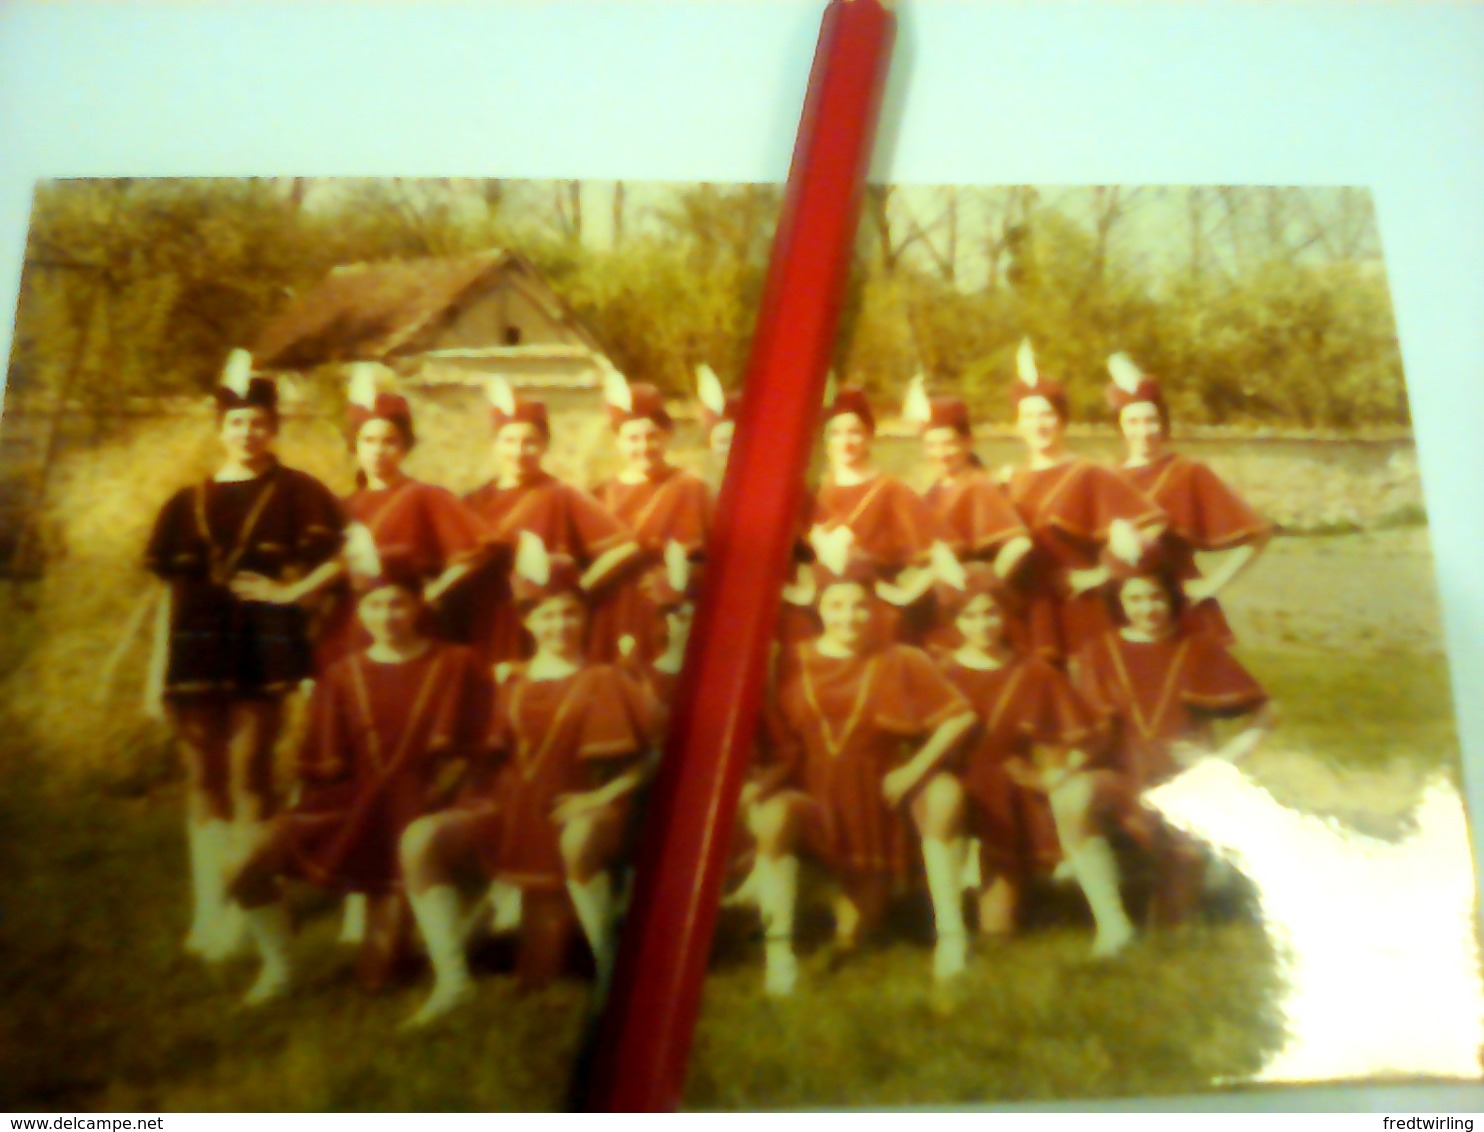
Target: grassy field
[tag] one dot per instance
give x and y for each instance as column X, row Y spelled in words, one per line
column 104, row 1012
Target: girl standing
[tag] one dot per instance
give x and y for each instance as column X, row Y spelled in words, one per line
column 975, row 518
column 525, row 498
column 658, row 503
column 241, row 551
column 875, row 516
column 417, row 523
column 1073, row 509
column 1202, row 512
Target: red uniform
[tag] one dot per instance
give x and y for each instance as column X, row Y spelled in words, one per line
column 976, row 519
column 891, row 524
column 674, row 506
column 555, row 737
column 376, row 737
column 421, row 524
column 282, row 524
column 569, row 522
column 844, row 724
column 974, row 514
column 1149, row 694
column 1204, row 514
column 893, row 528
column 1068, row 510
column 1020, row 705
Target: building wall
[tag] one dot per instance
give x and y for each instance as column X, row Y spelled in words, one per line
column 506, row 308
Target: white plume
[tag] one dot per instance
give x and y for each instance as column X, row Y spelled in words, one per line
column 1126, row 375
column 501, row 395
column 916, row 408
column 362, row 389
column 237, row 373
column 1124, row 542
column 709, row 389
column 831, row 387
column 832, row 547
column 531, row 560
column 360, row 552
column 947, row 567
column 616, row 389
column 1025, row 364
column 677, row 566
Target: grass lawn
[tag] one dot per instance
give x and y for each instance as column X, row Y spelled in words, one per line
column 103, row 1011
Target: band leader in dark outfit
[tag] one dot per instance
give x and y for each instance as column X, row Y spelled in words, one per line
column 239, row 551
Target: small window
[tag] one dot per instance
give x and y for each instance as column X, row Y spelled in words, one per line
column 512, row 336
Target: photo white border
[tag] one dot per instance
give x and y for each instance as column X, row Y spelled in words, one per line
column 1386, row 95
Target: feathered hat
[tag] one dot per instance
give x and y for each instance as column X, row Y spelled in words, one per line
column 369, row 400
column 938, row 412
column 506, row 408
column 1030, row 382
column 370, row 569
column 716, row 404
column 1130, row 385
column 631, row 402
column 241, row 388
column 675, row 582
column 537, row 575
column 851, row 399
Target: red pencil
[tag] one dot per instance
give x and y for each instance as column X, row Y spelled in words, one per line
column 639, row 1061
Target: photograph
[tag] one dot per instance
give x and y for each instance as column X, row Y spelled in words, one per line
column 352, row 530
column 1110, row 748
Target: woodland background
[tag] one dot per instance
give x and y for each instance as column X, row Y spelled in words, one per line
column 1259, row 306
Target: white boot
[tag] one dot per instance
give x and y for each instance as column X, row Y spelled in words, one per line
column 505, row 907
column 593, row 901
column 268, row 928
column 229, row 933
column 223, row 932
column 353, row 919
column 973, row 876
column 437, row 914
column 777, row 895
column 942, row 860
column 1096, row 870
column 205, row 884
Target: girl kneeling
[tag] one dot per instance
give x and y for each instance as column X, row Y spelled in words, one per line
column 571, row 739
column 848, row 711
